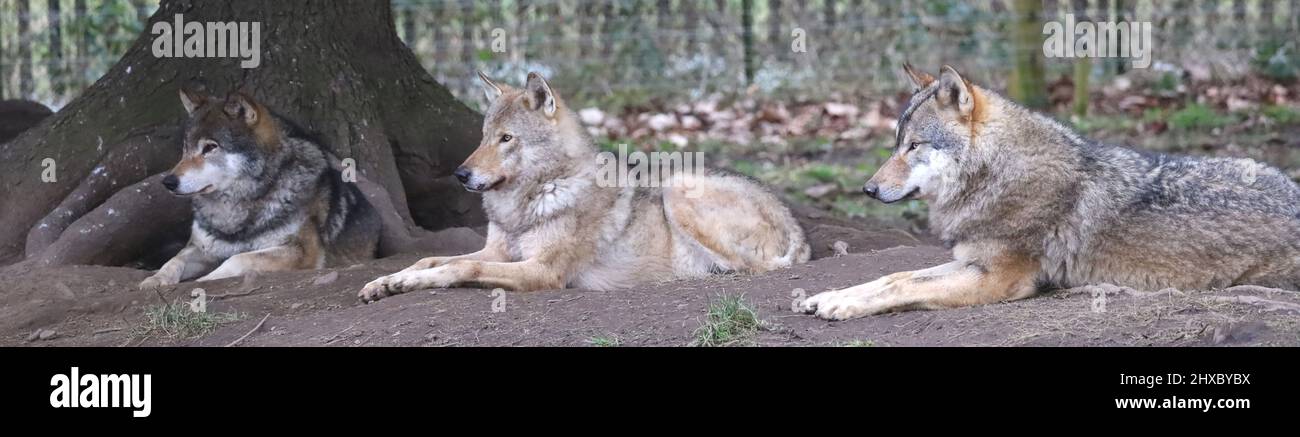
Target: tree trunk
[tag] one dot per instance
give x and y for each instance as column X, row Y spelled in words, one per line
column 336, row 68
column 1027, row 84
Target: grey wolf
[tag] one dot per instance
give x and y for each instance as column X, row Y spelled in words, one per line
column 265, row 197
column 552, row 225
column 1027, row 204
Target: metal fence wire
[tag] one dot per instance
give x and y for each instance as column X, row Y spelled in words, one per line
column 632, row 52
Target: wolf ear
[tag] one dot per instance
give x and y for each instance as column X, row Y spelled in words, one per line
column 490, row 88
column 192, row 98
column 240, row 105
column 954, row 92
column 540, row 96
column 920, row 79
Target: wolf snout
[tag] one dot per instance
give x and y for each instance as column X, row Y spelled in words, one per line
column 872, row 189
column 462, row 174
column 171, row 182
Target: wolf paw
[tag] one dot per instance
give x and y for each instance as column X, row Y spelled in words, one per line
column 837, row 305
column 377, row 289
column 154, row 282
column 396, row 283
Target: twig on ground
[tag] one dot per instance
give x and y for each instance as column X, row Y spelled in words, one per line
column 255, row 328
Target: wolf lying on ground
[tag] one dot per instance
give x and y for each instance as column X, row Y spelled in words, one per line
column 264, row 198
column 1027, row 204
column 552, row 224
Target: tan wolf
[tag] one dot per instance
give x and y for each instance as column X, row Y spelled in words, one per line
column 265, row 197
column 552, row 224
column 1027, row 204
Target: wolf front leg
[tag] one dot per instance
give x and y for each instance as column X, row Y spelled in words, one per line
column 187, row 264
column 493, row 250
column 271, row 259
column 956, row 284
column 519, row 276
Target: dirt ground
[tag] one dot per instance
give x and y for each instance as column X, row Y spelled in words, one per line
column 99, row 306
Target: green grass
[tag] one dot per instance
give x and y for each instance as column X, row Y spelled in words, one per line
column 1284, row 115
column 176, row 320
column 731, row 321
column 1199, row 117
column 605, row 341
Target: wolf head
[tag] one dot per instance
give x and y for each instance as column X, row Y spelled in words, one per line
column 224, row 141
column 935, row 130
column 527, row 136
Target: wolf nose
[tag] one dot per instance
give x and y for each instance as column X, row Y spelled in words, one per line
column 872, row 190
column 171, row 182
column 462, row 174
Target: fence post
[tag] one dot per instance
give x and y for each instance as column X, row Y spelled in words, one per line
column 25, row 87
column 828, row 15
column 467, row 53
column 56, row 49
column 82, row 41
column 773, row 28
column 3, row 56
column 1082, row 65
column 747, row 37
column 691, row 25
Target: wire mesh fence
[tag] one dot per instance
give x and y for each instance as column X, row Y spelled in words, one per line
column 635, row 52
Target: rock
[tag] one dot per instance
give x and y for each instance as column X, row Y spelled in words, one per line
column 591, row 116
column 295, row 306
column 64, row 291
column 841, row 110
column 1238, row 332
column 250, row 278
column 678, row 140
column 326, row 278
column 46, row 334
column 662, row 122
column 821, row 190
column 691, row 122
column 17, row 116
column 840, row 248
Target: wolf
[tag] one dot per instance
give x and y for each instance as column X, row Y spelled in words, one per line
column 265, row 196
column 552, row 223
column 1027, row 204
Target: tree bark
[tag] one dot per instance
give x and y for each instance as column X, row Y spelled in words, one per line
column 337, row 69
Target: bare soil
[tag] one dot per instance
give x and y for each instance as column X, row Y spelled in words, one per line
column 100, row 306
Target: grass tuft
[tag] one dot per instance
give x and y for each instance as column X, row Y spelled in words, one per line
column 730, row 322
column 176, row 320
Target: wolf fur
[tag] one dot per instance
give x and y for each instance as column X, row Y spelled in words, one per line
column 552, row 225
column 265, row 198
column 1027, row 204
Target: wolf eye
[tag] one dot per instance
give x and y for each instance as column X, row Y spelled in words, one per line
column 209, row 146
column 506, row 138
column 914, row 145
